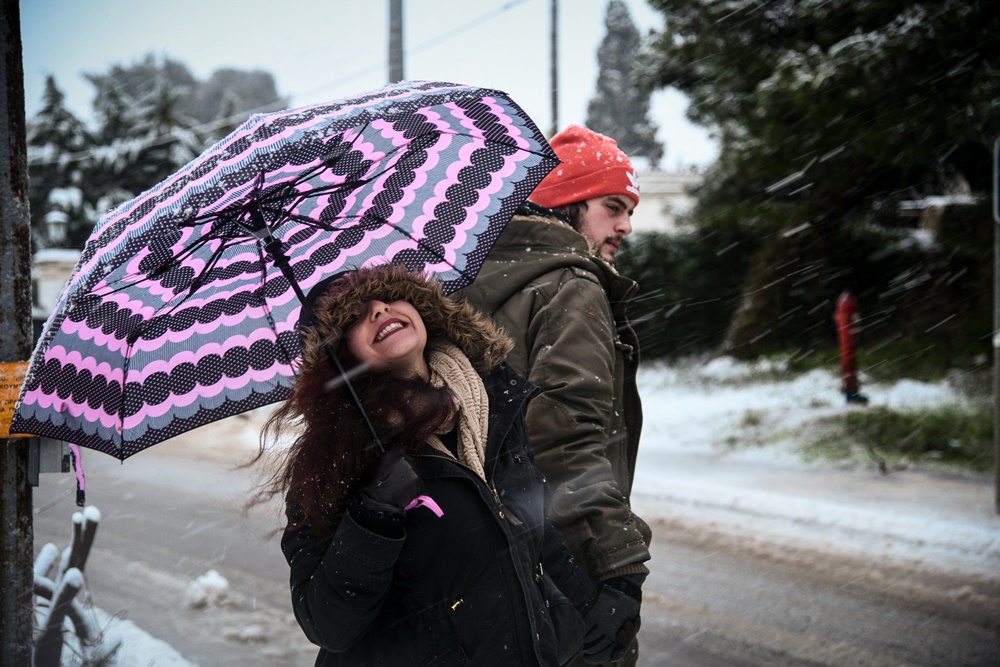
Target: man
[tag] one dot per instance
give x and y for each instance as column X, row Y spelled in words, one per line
column 550, row 282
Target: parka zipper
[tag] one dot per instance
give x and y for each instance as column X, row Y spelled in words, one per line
column 502, row 511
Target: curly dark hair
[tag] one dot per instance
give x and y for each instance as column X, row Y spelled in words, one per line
column 332, row 448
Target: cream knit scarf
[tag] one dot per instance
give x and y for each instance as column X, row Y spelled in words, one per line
column 451, row 368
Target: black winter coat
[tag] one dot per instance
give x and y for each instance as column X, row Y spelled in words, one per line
column 461, row 589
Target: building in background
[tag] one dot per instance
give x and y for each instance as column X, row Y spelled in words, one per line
column 664, row 198
column 50, row 270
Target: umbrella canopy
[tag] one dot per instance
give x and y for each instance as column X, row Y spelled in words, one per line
column 183, row 307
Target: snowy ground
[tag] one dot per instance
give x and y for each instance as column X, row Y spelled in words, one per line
column 718, row 455
column 719, row 449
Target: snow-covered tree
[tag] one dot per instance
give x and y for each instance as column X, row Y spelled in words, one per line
column 872, row 100
column 169, row 137
column 142, row 78
column 55, row 129
column 56, row 141
column 115, row 113
column 620, row 108
column 829, row 113
column 228, row 97
column 152, row 117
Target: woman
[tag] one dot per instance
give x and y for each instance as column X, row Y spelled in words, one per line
column 433, row 553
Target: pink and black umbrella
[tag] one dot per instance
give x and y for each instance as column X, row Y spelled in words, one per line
column 184, row 305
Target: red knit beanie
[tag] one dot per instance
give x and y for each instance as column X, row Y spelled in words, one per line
column 592, row 166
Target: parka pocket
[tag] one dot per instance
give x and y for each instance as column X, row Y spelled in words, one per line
column 439, row 637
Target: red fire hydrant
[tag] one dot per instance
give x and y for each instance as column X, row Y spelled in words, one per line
column 846, row 317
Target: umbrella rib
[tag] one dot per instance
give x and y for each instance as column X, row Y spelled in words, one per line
column 279, row 208
column 136, row 333
column 288, row 358
column 423, row 245
column 180, row 256
column 311, row 222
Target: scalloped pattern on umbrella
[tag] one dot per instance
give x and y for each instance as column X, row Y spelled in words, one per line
column 175, row 315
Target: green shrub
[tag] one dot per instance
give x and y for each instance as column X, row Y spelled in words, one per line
column 956, row 436
column 727, row 287
column 689, row 287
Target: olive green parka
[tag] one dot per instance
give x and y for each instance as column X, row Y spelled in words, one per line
column 565, row 309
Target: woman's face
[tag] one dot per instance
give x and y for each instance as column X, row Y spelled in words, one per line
column 389, row 338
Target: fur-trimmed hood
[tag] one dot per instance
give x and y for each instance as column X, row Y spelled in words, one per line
column 333, row 304
column 530, row 247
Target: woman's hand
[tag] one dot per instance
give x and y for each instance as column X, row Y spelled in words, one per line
column 392, row 482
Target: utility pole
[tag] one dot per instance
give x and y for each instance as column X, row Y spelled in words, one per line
column 996, row 324
column 554, row 60
column 16, row 543
column 396, row 41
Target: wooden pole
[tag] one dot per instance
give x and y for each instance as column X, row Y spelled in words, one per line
column 16, row 542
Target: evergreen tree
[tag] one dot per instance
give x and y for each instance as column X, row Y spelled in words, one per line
column 228, row 97
column 620, row 108
column 110, row 172
column 141, row 80
column 153, row 117
column 55, row 127
column 168, row 142
column 880, row 99
column 829, row 113
column 198, row 100
column 56, row 141
column 115, row 116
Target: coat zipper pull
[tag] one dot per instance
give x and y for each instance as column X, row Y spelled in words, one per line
column 504, row 512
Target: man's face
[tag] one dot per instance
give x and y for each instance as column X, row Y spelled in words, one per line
column 606, row 221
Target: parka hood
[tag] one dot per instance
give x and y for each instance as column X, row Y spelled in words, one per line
column 529, row 247
column 333, row 305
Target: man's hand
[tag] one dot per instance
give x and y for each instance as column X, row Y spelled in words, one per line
column 612, row 624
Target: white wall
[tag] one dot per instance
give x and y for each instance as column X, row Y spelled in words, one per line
column 50, row 269
column 663, row 198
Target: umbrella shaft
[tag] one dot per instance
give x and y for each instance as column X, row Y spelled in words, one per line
column 273, row 248
column 356, row 399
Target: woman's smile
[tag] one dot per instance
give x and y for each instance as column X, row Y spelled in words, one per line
column 389, row 328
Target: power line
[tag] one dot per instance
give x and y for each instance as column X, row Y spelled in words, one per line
column 430, row 43
column 222, row 122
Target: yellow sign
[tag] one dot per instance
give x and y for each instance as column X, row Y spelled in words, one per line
column 11, row 378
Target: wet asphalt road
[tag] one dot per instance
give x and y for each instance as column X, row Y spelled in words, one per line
column 171, row 514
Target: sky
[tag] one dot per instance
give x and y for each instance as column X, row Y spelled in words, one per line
column 320, row 50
